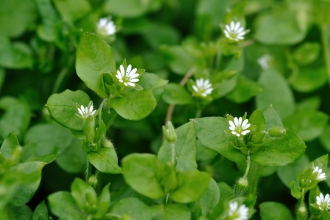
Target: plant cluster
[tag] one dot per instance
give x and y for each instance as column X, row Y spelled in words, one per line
column 116, row 110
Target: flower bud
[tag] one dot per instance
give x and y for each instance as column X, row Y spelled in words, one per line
column 241, row 186
column 169, row 133
column 107, row 143
column 89, row 129
column 276, row 131
column 92, row 180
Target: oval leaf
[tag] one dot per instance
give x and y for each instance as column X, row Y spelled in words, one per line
column 105, row 160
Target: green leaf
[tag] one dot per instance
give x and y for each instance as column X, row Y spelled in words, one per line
column 9, row 146
column 19, row 212
column 258, row 127
column 175, row 211
column 211, row 132
column 308, row 124
column 276, row 93
column 16, row 118
column 176, row 94
column 63, row 206
column 287, row 31
column 94, row 57
column 310, row 79
column 131, row 8
column 154, row 83
column 72, row 10
column 134, row 105
column 16, row 17
column 41, row 212
column 244, row 90
column 272, row 118
column 140, row 172
column 44, row 140
column 105, row 160
column 278, row 151
column 185, row 148
column 103, row 202
column 134, row 208
column 192, row 186
column 84, row 195
column 307, row 53
column 210, row 198
column 177, row 58
column 63, row 107
column 325, row 138
column 311, row 103
column 289, row 172
column 31, row 172
column 274, row 211
column 17, row 55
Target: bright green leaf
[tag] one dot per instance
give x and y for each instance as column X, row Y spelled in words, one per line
column 105, row 160
column 41, row 212
column 307, row 53
column 272, row 118
column 211, row 132
column 140, row 172
column 103, row 202
column 176, row 94
column 63, row 107
column 9, row 146
column 310, row 79
column 94, row 57
column 185, row 148
column 72, row 10
column 154, row 83
column 193, row 185
column 63, row 206
column 19, row 212
column 84, row 195
column 210, row 198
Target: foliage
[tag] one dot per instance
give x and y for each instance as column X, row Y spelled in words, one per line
column 164, row 109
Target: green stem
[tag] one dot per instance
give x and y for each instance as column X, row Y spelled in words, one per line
column 253, row 178
column 89, row 168
column 326, row 47
column 63, row 74
column 199, row 113
column 217, row 60
column 173, row 154
column 104, row 101
column 302, row 210
column 248, row 162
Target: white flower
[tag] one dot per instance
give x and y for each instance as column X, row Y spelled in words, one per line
column 264, row 61
column 320, row 176
column 127, row 77
column 203, row 87
column 323, row 201
column 238, row 128
column 234, row 31
column 106, row 26
column 84, row 112
column 238, row 213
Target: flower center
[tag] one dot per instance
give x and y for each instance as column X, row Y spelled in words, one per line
column 233, row 35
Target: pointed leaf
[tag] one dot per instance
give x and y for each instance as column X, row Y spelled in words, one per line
column 105, row 160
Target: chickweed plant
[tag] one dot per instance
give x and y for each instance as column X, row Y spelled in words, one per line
column 164, row 109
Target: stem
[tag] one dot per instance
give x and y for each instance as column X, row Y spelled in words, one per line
column 183, row 82
column 248, row 162
column 199, row 113
column 302, row 210
column 89, row 168
column 326, row 47
column 217, row 60
column 173, row 154
column 63, row 74
column 104, row 101
column 253, row 178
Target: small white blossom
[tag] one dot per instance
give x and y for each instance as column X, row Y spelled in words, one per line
column 84, row 112
column 128, row 77
column 320, row 176
column 106, row 26
column 238, row 127
column 203, row 87
column 264, row 61
column 234, row 31
column 238, row 213
column 323, row 202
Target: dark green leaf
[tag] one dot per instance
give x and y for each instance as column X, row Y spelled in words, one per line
column 84, row 195
column 310, row 79
column 307, row 53
column 276, row 93
column 134, row 105
column 274, row 211
column 176, row 94
column 308, row 124
column 19, row 212
column 103, row 202
column 154, row 83
column 210, row 198
column 41, row 212
column 72, row 10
